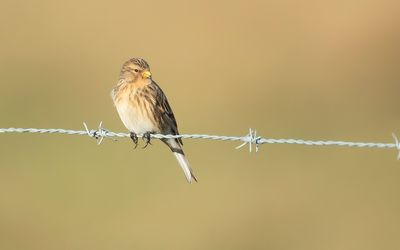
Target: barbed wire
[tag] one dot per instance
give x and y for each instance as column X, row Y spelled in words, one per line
column 250, row 139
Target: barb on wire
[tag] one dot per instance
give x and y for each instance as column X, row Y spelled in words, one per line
column 99, row 134
column 397, row 143
column 250, row 139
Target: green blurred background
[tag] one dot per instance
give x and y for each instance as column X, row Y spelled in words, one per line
column 290, row 69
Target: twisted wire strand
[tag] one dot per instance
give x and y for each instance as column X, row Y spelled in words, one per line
column 250, row 139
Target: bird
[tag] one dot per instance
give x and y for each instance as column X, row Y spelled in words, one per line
column 144, row 109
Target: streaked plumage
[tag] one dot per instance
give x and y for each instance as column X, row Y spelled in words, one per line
column 143, row 107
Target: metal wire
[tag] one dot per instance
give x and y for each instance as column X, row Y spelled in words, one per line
column 250, row 139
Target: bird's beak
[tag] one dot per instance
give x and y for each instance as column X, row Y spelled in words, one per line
column 146, row 74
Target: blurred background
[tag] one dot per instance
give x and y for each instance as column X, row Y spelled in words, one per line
column 290, row 69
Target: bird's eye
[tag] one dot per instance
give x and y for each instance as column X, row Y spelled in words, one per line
column 136, row 70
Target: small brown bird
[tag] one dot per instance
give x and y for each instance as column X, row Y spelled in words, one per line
column 144, row 109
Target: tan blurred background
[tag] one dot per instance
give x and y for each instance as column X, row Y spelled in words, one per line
column 290, row 69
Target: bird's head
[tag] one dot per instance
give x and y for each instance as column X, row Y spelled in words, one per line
column 135, row 69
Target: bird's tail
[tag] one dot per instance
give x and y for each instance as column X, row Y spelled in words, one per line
column 185, row 167
column 176, row 148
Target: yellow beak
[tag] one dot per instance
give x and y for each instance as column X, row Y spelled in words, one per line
column 146, row 74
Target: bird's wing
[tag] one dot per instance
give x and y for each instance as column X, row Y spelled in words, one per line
column 165, row 111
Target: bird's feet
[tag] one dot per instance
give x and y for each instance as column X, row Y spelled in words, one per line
column 134, row 138
column 147, row 139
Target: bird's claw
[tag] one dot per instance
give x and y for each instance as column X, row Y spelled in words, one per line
column 134, row 138
column 147, row 139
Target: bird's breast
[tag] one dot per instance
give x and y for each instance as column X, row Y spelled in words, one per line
column 135, row 111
